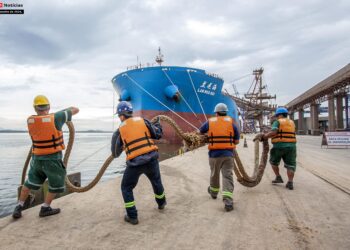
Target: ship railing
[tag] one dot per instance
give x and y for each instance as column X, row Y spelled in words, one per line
column 214, row 75
column 140, row 66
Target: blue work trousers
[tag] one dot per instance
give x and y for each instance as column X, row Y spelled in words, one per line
column 129, row 182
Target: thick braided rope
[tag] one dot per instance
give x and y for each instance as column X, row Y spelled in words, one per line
column 192, row 141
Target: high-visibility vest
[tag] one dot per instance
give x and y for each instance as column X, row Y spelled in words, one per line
column 46, row 138
column 286, row 131
column 221, row 133
column 136, row 137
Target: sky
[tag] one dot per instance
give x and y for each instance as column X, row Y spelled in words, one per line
column 70, row 50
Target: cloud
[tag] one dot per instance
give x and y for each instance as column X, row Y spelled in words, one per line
column 207, row 29
column 70, row 50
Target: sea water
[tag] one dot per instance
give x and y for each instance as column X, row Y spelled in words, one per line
column 89, row 152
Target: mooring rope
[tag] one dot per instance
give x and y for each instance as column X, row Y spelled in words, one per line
column 194, row 90
column 160, row 102
column 192, row 141
column 242, row 176
column 183, row 98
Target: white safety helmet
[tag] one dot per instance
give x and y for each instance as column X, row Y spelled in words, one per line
column 220, row 108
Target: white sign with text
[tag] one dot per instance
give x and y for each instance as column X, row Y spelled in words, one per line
column 338, row 138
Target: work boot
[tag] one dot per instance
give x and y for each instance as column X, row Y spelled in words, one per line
column 17, row 213
column 47, row 211
column 213, row 195
column 133, row 221
column 277, row 180
column 162, row 206
column 289, row 185
column 228, row 205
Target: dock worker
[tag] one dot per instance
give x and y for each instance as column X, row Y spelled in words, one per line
column 45, row 130
column 135, row 136
column 223, row 136
column 283, row 139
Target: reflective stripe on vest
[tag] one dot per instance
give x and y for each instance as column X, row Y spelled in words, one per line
column 221, row 133
column 286, row 131
column 136, row 137
column 46, row 138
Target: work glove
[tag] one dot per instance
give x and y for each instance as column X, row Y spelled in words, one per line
column 157, row 121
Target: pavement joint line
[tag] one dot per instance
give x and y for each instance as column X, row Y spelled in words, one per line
column 328, row 181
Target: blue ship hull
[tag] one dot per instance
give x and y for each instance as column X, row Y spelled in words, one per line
column 190, row 93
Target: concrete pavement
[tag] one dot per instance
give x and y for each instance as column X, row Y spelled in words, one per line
column 315, row 215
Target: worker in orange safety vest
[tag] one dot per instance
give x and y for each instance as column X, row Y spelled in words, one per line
column 283, row 139
column 135, row 136
column 45, row 130
column 223, row 136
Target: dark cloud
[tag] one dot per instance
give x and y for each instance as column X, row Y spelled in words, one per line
column 24, row 46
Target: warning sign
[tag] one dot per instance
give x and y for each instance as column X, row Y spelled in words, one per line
column 336, row 139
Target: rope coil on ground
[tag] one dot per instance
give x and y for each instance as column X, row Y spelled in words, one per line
column 192, row 141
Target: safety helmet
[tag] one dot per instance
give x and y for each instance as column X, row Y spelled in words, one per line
column 281, row 110
column 221, row 108
column 41, row 102
column 124, row 108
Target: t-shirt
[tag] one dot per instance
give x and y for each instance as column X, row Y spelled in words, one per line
column 275, row 126
column 214, row 153
column 61, row 117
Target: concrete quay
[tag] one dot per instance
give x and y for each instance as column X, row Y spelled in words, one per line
column 315, row 215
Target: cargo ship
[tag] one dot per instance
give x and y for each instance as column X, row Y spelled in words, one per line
column 187, row 95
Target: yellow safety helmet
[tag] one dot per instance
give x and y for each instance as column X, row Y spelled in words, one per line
column 40, row 100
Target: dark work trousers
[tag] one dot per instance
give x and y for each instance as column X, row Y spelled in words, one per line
column 129, row 182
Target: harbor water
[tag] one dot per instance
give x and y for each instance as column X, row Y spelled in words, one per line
column 89, row 153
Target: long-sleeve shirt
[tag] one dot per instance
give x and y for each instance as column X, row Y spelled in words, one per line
column 220, row 152
column 156, row 132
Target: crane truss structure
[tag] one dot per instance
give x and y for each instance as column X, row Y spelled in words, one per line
column 255, row 106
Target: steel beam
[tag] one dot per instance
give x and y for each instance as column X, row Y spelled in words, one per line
column 315, row 130
column 333, row 84
column 301, row 128
column 340, row 108
column 331, row 113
